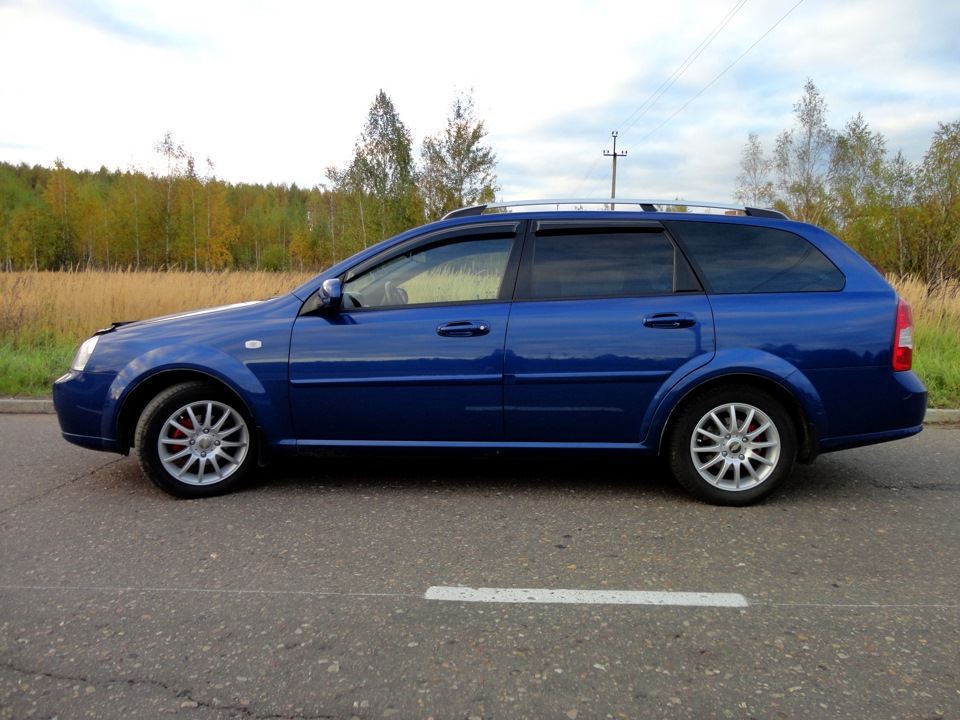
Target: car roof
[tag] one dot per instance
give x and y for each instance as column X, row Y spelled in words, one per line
column 609, row 205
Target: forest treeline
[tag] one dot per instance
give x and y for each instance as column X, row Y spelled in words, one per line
column 904, row 217
column 186, row 218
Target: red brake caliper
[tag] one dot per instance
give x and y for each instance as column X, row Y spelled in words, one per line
column 178, row 433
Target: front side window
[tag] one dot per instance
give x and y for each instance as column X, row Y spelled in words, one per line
column 736, row 259
column 448, row 271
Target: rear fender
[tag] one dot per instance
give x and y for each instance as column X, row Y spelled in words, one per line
column 751, row 366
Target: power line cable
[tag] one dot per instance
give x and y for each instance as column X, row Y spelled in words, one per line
column 722, row 73
column 672, row 78
column 683, row 67
column 703, row 90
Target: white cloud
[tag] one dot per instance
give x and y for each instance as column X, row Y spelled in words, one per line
column 277, row 91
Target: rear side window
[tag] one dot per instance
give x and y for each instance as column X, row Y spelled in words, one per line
column 605, row 262
column 735, row 258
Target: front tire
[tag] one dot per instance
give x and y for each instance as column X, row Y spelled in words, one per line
column 195, row 440
column 732, row 445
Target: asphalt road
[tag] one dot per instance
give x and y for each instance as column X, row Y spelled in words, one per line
column 305, row 596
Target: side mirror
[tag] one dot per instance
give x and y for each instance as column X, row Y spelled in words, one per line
column 331, row 294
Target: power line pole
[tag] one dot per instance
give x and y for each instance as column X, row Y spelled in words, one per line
column 614, row 155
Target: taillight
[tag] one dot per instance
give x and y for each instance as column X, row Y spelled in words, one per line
column 903, row 338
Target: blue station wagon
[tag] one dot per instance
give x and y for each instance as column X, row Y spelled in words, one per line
column 733, row 344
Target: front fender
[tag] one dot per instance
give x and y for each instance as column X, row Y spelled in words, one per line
column 731, row 365
column 203, row 360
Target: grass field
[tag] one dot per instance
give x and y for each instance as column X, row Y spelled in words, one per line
column 936, row 352
column 44, row 316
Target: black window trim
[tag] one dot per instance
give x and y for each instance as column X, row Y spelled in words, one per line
column 556, row 227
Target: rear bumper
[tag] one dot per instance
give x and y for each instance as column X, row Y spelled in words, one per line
column 852, row 441
column 896, row 410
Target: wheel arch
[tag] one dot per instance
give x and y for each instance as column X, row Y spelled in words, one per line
column 788, row 397
column 139, row 396
column 138, row 384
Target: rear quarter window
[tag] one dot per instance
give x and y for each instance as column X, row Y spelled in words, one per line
column 735, row 259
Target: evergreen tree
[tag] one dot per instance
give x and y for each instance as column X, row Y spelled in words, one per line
column 383, row 168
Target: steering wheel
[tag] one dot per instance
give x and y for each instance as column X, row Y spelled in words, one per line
column 393, row 295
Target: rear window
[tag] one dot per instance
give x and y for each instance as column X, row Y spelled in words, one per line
column 733, row 258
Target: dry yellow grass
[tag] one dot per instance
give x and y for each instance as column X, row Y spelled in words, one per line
column 43, row 316
column 65, row 307
column 932, row 306
column 68, row 306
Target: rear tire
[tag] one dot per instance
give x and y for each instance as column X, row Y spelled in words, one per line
column 194, row 440
column 732, row 445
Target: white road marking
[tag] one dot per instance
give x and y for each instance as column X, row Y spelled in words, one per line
column 460, row 594
column 585, row 597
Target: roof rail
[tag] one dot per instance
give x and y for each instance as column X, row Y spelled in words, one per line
column 645, row 205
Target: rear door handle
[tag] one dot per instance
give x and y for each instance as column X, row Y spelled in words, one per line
column 463, row 328
column 670, row 320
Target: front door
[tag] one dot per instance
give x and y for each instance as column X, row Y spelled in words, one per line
column 415, row 354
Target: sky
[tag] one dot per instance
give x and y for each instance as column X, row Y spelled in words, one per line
column 277, row 91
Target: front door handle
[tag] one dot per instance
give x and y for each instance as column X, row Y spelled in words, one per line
column 463, row 328
column 670, row 320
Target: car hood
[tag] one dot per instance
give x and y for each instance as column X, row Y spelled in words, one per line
column 261, row 327
column 179, row 316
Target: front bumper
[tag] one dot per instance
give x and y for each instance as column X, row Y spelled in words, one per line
column 81, row 401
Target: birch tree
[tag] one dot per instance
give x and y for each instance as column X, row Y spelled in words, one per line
column 754, row 186
column 459, row 168
column 802, row 158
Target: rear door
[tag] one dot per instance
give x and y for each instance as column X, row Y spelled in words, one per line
column 607, row 314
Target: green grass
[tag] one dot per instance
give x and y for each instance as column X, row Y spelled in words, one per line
column 936, row 359
column 29, row 371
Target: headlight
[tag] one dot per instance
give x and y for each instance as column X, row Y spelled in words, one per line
column 84, row 353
